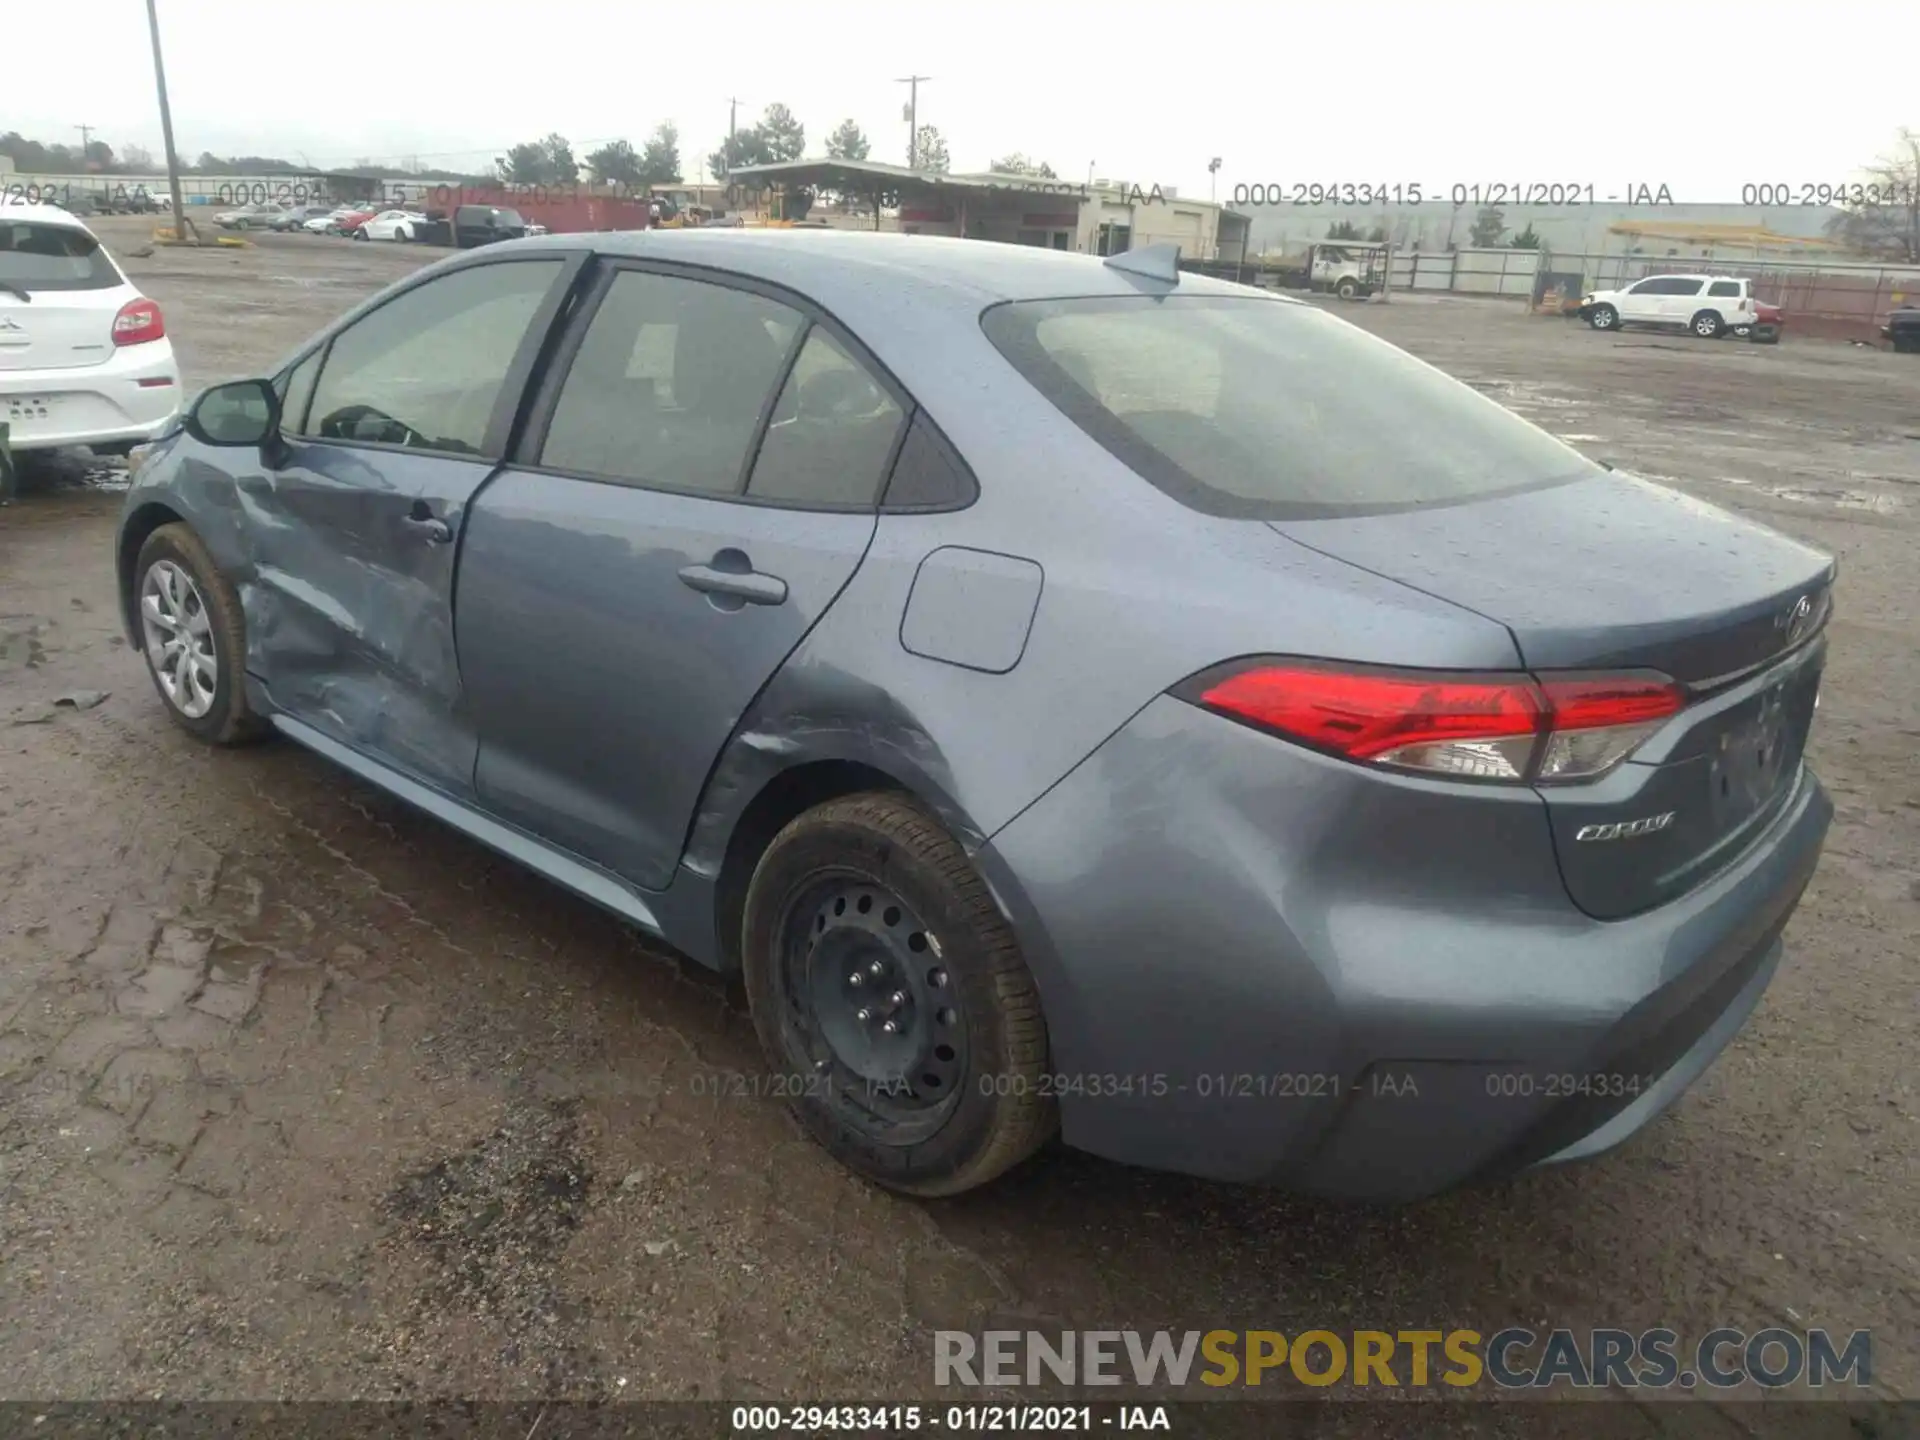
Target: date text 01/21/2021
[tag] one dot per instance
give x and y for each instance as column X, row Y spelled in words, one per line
column 1494, row 192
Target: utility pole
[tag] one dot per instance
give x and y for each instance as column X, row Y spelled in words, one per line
column 86, row 142
column 733, row 120
column 166, row 129
column 912, row 82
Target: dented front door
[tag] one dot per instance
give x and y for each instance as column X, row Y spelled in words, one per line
column 358, row 519
column 357, row 582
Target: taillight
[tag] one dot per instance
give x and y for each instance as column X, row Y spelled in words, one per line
column 138, row 322
column 1522, row 728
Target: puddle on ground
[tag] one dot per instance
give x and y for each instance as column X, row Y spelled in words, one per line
column 1840, row 499
column 73, row 469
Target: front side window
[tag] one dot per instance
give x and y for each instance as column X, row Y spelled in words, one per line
column 670, row 383
column 1271, row 409
column 426, row 369
column 295, row 389
column 34, row 256
column 832, row 433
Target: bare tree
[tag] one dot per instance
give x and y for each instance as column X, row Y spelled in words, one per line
column 1883, row 219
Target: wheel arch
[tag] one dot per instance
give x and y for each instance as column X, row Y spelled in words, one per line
column 134, row 530
column 782, row 799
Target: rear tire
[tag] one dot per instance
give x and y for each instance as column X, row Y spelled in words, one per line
column 1604, row 317
column 865, row 914
column 182, row 597
column 1707, row 325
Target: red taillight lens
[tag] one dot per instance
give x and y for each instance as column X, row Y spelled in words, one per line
column 1482, row 727
column 138, row 322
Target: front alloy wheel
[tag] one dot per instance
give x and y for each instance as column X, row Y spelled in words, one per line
column 179, row 636
column 192, row 636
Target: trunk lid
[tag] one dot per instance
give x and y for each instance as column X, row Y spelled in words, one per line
column 1612, row 574
column 59, row 294
column 56, row 331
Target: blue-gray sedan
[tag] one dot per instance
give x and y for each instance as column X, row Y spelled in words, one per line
column 1074, row 695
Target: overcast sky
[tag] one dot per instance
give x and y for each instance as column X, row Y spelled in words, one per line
column 1608, row 94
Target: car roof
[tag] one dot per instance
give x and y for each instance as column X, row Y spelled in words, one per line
column 852, row 270
column 43, row 215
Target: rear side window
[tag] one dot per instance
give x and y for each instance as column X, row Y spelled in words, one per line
column 1683, row 287
column 670, row 384
column 34, row 256
column 1270, row 409
column 1724, row 288
column 832, row 433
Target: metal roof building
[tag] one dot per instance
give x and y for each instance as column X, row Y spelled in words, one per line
column 1102, row 218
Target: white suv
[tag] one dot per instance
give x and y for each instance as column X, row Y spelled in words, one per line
column 84, row 357
column 1707, row 305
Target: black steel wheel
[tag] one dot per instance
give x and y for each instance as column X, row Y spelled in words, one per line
column 890, row 994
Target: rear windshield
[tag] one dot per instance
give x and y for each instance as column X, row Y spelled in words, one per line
column 52, row 257
column 1265, row 409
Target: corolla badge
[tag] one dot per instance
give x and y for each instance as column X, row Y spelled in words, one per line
column 1625, row 829
column 1794, row 622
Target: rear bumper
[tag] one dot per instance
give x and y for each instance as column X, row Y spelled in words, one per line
column 1260, row 964
column 130, row 399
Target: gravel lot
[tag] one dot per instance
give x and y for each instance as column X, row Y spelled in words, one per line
column 304, row 1095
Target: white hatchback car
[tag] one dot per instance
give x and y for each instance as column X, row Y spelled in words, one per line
column 1707, row 305
column 84, row 356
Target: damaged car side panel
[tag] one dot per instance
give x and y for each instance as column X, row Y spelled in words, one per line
column 350, row 608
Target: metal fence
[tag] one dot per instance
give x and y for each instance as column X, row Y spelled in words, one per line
column 1829, row 298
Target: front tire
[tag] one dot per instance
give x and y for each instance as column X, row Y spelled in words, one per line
column 890, row 995
column 1346, row 289
column 193, row 637
column 1707, row 325
column 1604, row 317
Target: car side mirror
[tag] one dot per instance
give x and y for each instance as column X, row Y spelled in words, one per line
column 243, row 412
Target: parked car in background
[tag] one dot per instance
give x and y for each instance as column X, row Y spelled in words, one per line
column 1768, row 321
column 299, row 216
column 1705, row 305
column 250, row 217
column 349, row 223
column 402, row 225
column 327, row 221
column 1903, row 328
column 486, row 225
column 84, row 356
column 1366, row 793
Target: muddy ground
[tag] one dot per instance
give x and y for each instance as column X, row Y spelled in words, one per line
column 306, row 1095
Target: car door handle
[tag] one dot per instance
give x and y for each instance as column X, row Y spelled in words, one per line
column 748, row 585
column 430, row 528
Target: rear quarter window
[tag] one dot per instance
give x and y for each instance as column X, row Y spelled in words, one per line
column 1267, row 409
column 36, row 256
